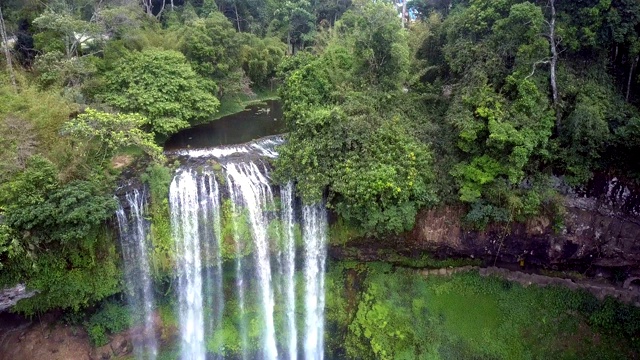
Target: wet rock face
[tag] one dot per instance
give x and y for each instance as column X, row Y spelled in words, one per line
column 614, row 194
column 593, row 234
column 596, row 233
column 441, row 231
column 10, row 296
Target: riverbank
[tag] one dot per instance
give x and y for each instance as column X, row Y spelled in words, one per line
column 237, row 103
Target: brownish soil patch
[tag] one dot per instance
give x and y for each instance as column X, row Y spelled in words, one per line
column 43, row 339
column 121, row 161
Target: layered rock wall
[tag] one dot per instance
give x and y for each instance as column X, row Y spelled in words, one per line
column 589, row 236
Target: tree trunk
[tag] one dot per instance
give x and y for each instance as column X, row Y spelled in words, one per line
column 404, row 13
column 633, row 66
column 235, row 7
column 5, row 41
column 161, row 9
column 148, row 7
column 554, row 62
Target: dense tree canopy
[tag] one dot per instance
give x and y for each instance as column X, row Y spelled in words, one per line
column 507, row 94
column 347, row 133
column 485, row 104
column 162, row 86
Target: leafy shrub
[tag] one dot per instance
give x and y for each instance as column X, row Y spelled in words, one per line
column 112, row 317
column 66, row 252
column 97, row 335
column 113, row 132
column 36, row 202
column 158, row 178
column 162, row 86
column 73, row 278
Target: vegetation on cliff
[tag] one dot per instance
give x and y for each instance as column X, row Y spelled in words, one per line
column 493, row 98
column 87, row 88
column 350, row 132
column 474, row 102
column 400, row 314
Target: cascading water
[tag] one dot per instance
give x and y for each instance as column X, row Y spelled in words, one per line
column 255, row 194
column 133, row 241
column 315, row 223
column 240, row 282
column 287, row 259
column 236, row 258
column 185, row 208
column 211, row 233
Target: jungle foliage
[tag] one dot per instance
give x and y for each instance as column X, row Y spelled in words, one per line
column 400, row 314
column 480, row 103
column 499, row 101
column 531, row 86
column 349, row 133
column 95, row 85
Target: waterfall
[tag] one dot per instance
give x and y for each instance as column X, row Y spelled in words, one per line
column 210, row 228
column 227, row 217
column 185, row 215
column 288, row 268
column 315, row 224
column 240, row 284
column 133, row 241
column 255, row 192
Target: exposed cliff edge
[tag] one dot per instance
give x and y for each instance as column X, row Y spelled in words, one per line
column 10, row 296
column 589, row 236
column 598, row 232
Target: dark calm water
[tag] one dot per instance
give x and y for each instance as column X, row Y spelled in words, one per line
column 254, row 122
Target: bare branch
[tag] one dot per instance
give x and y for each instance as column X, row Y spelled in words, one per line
column 161, row 10
column 535, row 64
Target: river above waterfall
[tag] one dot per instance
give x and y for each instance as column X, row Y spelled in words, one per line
column 254, row 122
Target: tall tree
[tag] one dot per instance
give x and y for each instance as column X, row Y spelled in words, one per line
column 330, row 11
column 553, row 44
column 162, row 86
column 68, row 28
column 150, row 7
column 5, row 47
column 295, row 23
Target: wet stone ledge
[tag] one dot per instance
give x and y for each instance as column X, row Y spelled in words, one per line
column 10, row 296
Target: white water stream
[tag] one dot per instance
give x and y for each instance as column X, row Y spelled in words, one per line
column 135, row 255
column 225, row 210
